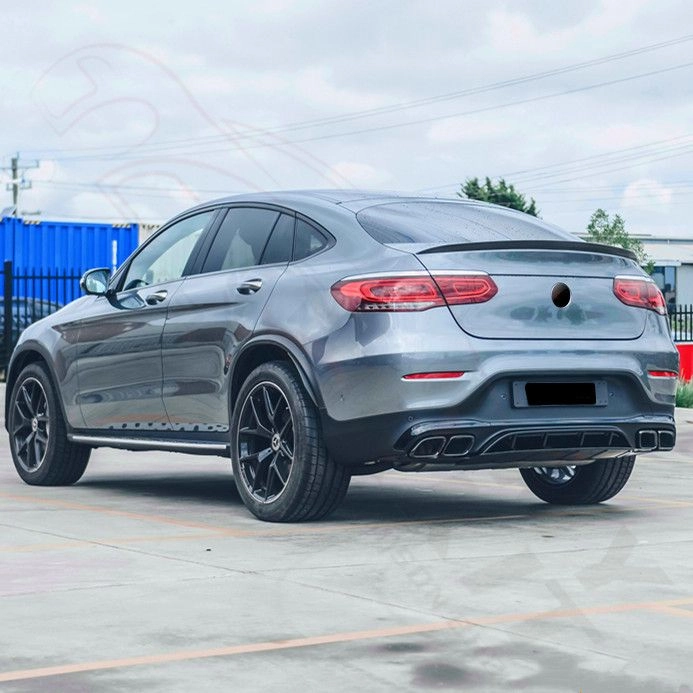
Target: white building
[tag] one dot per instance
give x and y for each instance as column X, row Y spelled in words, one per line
column 673, row 258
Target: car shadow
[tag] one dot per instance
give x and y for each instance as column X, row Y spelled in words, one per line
column 202, row 489
column 380, row 499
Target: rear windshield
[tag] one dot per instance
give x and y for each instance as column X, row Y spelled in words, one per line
column 453, row 222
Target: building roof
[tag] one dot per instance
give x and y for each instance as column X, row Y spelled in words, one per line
column 669, row 251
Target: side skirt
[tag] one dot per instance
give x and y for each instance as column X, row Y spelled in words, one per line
column 191, row 447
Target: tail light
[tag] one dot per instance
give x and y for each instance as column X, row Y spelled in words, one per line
column 472, row 288
column 412, row 292
column 640, row 292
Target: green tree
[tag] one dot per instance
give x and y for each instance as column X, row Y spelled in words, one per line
column 500, row 193
column 603, row 229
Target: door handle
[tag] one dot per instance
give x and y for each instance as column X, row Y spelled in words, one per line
column 156, row 297
column 249, row 287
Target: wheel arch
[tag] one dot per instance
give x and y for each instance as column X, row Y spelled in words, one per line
column 30, row 353
column 264, row 349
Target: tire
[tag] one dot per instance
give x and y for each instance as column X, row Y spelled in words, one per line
column 280, row 464
column 583, row 485
column 41, row 452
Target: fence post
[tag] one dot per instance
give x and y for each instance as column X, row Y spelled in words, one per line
column 8, row 301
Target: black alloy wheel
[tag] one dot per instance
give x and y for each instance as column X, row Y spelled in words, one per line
column 281, row 466
column 30, row 425
column 580, row 484
column 556, row 475
column 266, row 442
column 41, row 451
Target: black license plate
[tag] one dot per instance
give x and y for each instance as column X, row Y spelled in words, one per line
column 556, row 394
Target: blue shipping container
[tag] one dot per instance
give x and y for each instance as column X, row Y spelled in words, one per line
column 48, row 258
column 65, row 246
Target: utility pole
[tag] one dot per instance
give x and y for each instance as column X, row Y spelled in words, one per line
column 17, row 170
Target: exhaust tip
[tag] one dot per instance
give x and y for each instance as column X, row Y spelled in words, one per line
column 647, row 440
column 429, row 447
column 458, row 446
column 666, row 440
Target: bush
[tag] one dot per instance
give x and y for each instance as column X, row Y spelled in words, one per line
column 684, row 394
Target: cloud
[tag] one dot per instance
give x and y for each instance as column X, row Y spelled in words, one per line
column 620, row 134
column 646, row 194
column 220, row 71
column 360, row 174
column 467, row 130
column 510, row 30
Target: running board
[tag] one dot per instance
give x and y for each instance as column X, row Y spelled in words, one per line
column 200, row 448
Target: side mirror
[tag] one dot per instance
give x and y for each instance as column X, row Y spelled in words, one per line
column 95, row 281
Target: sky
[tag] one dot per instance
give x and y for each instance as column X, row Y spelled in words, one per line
column 135, row 111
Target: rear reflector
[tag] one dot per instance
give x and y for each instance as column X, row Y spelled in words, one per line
column 662, row 374
column 413, row 292
column 642, row 293
column 442, row 375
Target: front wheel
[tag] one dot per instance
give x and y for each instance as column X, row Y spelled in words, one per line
column 579, row 485
column 41, row 451
column 280, row 465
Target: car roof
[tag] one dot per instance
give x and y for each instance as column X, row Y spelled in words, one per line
column 330, row 205
column 352, row 199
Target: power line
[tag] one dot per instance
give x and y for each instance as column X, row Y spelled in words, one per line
column 421, row 121
column 645, row 193
column 607, row 188
column 355, row 115
column 145, row 190
column 644, row 153
column 585, row 174
column 105, row 218
column 590, row 163
column 133, row 190
column 549, row 177
column 613, row 152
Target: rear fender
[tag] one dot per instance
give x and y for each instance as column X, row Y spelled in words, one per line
column 293, row 353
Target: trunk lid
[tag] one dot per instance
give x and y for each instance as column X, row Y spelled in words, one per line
column 526, row 277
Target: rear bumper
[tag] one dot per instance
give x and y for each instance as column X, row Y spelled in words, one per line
column 366, row 380
column 489, row 429
column 507, row 445
column 472, row 444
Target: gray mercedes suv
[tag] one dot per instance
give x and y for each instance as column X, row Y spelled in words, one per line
column 313, row 336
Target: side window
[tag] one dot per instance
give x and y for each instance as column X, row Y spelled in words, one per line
column 241, row 239
column 280, row 244
column 307, row 241
column 165, row 258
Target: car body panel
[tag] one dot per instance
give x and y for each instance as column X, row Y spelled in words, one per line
column 523, row 307
column 119, row 360
column 371, row 383
column 55, row 340
column 208, row 321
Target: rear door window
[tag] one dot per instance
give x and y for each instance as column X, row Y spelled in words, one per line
column 241, row 239
column 280, row 244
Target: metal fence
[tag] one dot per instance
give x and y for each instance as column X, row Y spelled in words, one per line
column 681, row 321
column 28, row 296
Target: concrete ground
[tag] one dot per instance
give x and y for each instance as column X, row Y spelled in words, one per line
column 150, row 575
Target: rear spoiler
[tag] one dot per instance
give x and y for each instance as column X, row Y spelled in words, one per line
column 579, row 246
